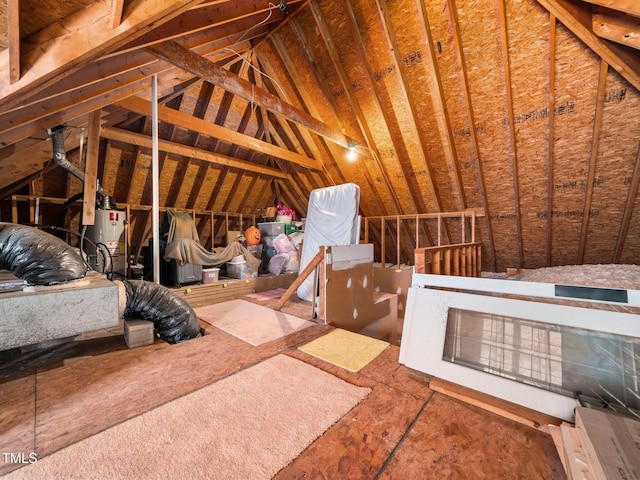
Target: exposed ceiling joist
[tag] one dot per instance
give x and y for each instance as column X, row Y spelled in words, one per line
column 184, row 58
column 131, row 138
column 189, row 122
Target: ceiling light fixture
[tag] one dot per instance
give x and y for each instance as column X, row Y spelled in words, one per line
column 352, row 155
column 282, row 5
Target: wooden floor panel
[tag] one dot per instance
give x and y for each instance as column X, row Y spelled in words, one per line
column 454, row 440
column 58, row 395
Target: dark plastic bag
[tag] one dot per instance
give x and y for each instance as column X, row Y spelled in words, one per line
column 173, row 318
column 38, row 257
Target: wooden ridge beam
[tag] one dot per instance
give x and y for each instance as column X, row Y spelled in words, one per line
column 180, row 119
column 140, row 140
column 184, row 58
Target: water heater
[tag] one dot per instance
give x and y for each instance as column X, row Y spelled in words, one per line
column 108, row 234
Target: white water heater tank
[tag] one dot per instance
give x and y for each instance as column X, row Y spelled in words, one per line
column 108, row 235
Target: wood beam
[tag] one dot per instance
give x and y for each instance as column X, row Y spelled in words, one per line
column 551, row 139
column 180, row 119
column 593, row 157
column 48, row 58
column 91, row 169
column 616, row 26
column 131, row 138
column 405, row 93
column 627, row 213
column 13, row 38
column 577, row 18
column 513, row 144
column 353, row 102
column 212, row 16
column 315, row 144
column 322, row 83
column 184, row 58
column 631, row 7
column 417, row 133
column 116, row 12
column 440, row 103
column 466, row 93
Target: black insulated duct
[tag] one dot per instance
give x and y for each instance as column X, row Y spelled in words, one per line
column 38, row 257
column 173, row 318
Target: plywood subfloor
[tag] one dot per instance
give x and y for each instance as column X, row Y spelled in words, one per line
column 52, row 397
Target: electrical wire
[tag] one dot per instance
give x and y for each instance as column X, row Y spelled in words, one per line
column 271, row 7
column 230, row 49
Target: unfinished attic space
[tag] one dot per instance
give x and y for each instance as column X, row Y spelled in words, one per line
column 342, row 239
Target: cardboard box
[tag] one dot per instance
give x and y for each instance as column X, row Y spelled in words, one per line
column 611, row 443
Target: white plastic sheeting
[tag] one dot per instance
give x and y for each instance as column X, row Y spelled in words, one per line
column 332, row 219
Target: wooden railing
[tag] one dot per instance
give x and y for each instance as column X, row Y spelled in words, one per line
column 400, row 236
column 139, row 218
column 463, row 260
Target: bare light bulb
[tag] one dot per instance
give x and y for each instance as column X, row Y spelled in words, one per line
column 352, row 155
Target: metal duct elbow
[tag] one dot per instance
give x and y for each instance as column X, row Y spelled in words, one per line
column 59, row 153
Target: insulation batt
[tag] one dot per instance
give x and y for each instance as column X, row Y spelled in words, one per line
column 173, row 318
column 38, row 257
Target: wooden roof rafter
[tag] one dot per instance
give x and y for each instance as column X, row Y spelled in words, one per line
column 321, row 81
column 353, row 102
column 314, row 144
column 513, row 144
column 202, row 106
column 13, row 35
column 551, row 139
column 593, row 157
column 630, row 7
column 243, row 16
column 440, row 103
column 627, row 211
column 405, row 93
column 576, row 16
column 201, row 126
column 124, row 136
column 616, row 26
column 457, row 39
column 203, row 68
column 91, row 32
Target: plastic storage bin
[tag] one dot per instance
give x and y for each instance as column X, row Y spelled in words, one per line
column 210, row 275
column 240, row 270
column 271, row 228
